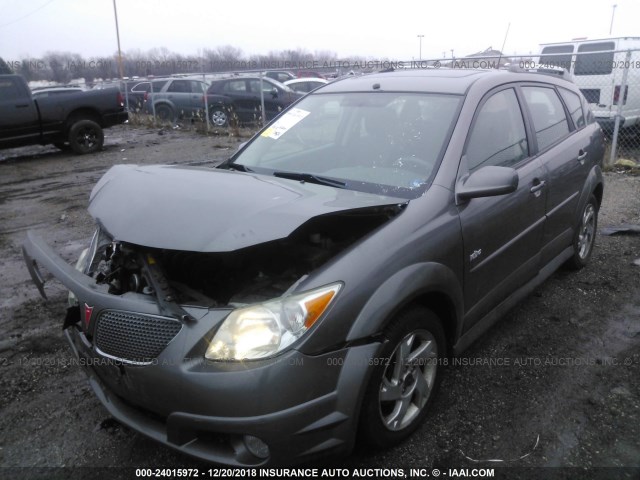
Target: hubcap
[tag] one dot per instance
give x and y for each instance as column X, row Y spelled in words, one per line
column 408, row 379
column 87, row 137
column 587, row 231
column 219, row 118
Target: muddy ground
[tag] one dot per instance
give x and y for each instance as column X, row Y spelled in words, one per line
column 563, row 390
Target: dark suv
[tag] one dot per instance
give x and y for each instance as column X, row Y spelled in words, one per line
column 241, row 97
column 309, row 288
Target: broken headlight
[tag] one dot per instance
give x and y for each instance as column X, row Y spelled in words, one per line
column 89, row 258
column 265, row 329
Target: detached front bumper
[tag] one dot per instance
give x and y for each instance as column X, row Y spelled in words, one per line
column 298, row 405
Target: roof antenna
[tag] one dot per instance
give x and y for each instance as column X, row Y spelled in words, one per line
column 504, row 43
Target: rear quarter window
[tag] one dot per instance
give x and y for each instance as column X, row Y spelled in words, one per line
column 9, row 90
column 574, row 105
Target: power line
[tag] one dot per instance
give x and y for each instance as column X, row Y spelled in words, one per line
column 27, row 15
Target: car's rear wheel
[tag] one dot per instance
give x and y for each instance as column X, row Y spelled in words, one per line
column 405, row 378
column 585, row 236
column 219, row 116
column 86, row 136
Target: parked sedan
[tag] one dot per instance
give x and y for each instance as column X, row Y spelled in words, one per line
column 242, row 97
column 305, row 85
column 305, row 293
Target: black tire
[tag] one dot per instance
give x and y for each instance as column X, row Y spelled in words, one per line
column 399, row 393
column 86, row 136
column 165, row 113
column 585, row 236
column 219, row 115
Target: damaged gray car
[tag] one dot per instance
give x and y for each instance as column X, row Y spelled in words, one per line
column 304, row 293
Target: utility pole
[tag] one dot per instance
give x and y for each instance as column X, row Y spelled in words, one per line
column 420, row 37
column 612, row 15
column 115, row 12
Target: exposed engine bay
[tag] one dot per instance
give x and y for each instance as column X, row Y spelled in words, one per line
column 248, row 275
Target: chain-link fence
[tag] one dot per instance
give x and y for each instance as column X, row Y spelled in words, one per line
column 609, row 79
column 607, row 74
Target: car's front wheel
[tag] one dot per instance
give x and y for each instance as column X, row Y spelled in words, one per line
column 405, row 378
column 585, row 236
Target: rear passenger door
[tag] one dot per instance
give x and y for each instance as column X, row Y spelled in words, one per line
column 245, row 102
column 502, row 234
column 18, row 114
column 179, row 93
column 563, row 146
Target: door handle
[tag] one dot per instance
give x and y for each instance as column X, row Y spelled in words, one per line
column 22, row 105
column 537, row 186
column 582, row 154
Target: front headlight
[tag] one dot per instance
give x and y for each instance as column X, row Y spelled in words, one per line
column 265, row 329
column 89, row 258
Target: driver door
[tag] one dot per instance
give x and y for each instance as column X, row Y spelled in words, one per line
column 502, row 234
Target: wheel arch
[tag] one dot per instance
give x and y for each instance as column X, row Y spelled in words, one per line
column 164, row 103
column 431, row 285
column 84, row 113
column 594, row 184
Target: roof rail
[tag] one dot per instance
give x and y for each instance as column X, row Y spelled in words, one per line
column 549, row 70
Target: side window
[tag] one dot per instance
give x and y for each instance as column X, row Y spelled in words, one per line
column 236, row 86
column 595, row 59
column 549, row 119
column 498, row 136
column 574, row 105
column 9, row 90
column 197, row 87
column 254, row 86
column 179, row 86
column 142, row 87
column 557, row 56
column 159, row 85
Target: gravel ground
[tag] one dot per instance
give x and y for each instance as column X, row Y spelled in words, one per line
column 562, row 389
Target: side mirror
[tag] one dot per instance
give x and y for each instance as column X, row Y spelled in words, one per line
column 274, row 92
column 487, row 182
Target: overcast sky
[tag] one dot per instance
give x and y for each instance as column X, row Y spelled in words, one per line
column 388, row 30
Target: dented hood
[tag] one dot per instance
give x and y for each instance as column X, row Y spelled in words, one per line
column 208, row 210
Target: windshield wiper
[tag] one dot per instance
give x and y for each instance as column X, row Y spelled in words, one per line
column 235, row 166
column 311, row 178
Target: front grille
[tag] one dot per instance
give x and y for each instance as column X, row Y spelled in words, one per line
column 592, row 95
column 134, row 337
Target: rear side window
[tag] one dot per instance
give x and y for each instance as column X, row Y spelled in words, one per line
column 498, row 137
column 9, row 90
column 574, row 105
column 142, row 87
column 557, row 56
column 549, row 119
column 592, row 59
